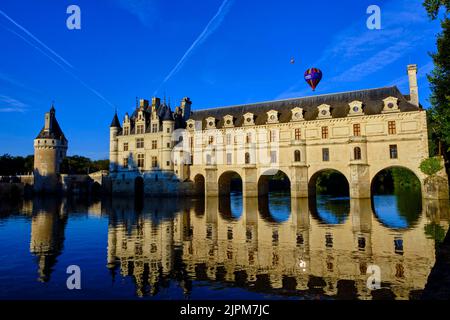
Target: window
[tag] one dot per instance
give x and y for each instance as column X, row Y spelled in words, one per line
column 154, row 144
column 125, row 162
column 154, row 162
column 325, row 154
column 393, row 151
column 139, row 143
column 324, row 132
column 298, row 134
column 273, row 156
column 297, row 157
column 273, row 135
column 167, row 163
column 125, row 146
column 210, row 140
column 191, row 142
column 229, row 155
column 168, row 144
column 140, row 160
column 140, row 129
column 228, row 139
column 247, row 158
column 154, row 127
column 391, row 127
column 208, row 159
column 126, row 131
column 357, row 153
column 168, row 130
column 248, row 138
column 356, row 129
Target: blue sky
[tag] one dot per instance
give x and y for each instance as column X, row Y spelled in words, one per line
column 216, row 52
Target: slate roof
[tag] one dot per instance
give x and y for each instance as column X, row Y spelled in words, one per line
column 55, row 133
column 115, row 123
column 372, row 100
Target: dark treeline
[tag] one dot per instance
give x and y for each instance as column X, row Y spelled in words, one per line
column 11, row 166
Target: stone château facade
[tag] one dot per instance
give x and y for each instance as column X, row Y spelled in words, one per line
column 358, row 133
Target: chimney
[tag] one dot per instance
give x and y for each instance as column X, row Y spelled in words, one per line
column 47, row 122
column 186, row 108
column 413, row 88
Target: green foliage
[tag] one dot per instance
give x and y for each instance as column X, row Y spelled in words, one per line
column 435, row 231
column 431, row 166
column 332, row 183
column 439, row 113
column 82, row 165
column 10, row 166
column 395, row 180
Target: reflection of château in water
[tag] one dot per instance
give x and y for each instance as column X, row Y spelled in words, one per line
column 48, row 223
column 300, row 255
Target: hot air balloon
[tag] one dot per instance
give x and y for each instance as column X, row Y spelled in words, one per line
column 313, row 77
column 292, row 60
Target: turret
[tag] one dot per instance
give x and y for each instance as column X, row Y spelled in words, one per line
column 114, row 129
column 168, row 125
column 413, row 87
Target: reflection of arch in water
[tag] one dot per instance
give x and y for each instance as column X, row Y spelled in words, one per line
column 273, row 180
column 139, row 187
column 334, row 183
column 199, row 185
column 400, row 209
column 229, row 181
column 329, row 210
column 231, row 207
column 275, row 208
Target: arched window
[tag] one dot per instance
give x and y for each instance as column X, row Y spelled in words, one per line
column 357, row 153
column 247, row 158
column 297, row 156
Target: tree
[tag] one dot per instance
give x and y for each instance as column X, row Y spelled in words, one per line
column 439, row 113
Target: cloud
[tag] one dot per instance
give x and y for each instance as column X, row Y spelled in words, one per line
column 28, row 33
column 52, row 55
column 8, row 104
column 144, row 10
column 212, row 26
column 356, row 52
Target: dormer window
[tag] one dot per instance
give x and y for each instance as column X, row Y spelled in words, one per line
column 228, row 121
column 211, row 123
column 249, row 119
column 356, row 108
column 297, row 114
column 272, row 116
column 324, row 111
column 190, row 124
column 390, row 105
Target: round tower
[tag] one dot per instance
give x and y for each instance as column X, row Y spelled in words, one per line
column 114, row 129
column 50, row 148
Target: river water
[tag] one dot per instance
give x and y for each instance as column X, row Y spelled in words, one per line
column 220, row 248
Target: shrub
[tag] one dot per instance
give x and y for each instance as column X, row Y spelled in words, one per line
column 431, row 166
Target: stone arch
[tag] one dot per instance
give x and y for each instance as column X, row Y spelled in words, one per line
column 312, row 182
column 277, row 212
column 225, row 182
column 378, row 172
column 199, row 184
column 398, row 211
column 265, row 178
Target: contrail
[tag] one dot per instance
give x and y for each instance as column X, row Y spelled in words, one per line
column 212, row 25
column 57, row 62
column 35, row 39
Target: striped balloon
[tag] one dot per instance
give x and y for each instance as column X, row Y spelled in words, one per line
column 313, row 77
